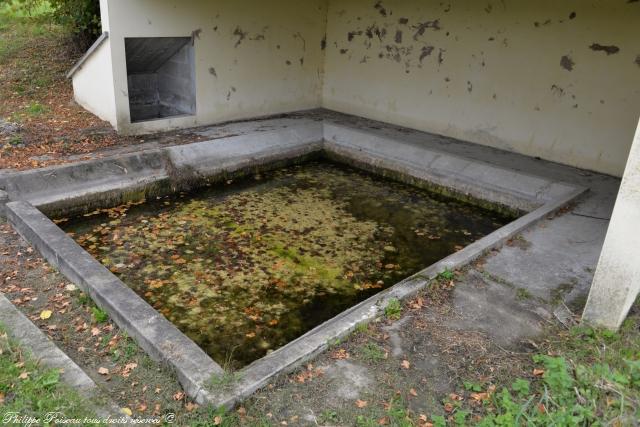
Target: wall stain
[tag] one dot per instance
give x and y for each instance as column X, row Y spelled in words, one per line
column 567, row 63
column 441, row 55
column 557, row 90
column 212, row 71
column 609, row 49
column 398, row 37
column 377, row 31
column 469, row 87
column 380, row 8
column 422, row 27
column 302, row 39
column 403, row 21
column 351, row 34
column 572, row 15
column 637, row 61
column 426, row 51
column 323, row 43
column 538, row 24
column 240, row 34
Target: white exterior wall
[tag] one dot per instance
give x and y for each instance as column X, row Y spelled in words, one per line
column 557, row 80
column 617, row 279
column 93, row 84
column 491, row 72
column 252, row 58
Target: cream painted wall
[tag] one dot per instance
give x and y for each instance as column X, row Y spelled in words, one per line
column 252, row 58
column 513, row 74
column 93, row 84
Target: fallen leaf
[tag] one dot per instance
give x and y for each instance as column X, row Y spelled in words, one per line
column 71, row 288
column 405, row 364
column 45, row 314
column 126, row 411
column 103, row 371
column 448, row 407
column 95, row 332
column 190, row 406
column 128, row 368
column 417, row 303
column 361, row 403
column 178, row 396
column 217, row 420
column 454, row 396
column 24, row 375
column 413, row 392
column 1, row 398
column 142, row 407
column 538, row 372
column 340, row 354
column 479, row 396
column 383, row 421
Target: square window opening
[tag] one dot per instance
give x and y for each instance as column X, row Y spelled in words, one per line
column 160, row 77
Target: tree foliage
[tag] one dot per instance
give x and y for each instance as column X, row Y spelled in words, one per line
column 81, row 18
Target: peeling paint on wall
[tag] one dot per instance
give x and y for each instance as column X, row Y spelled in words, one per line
column 454, row 68
column 608, row 49
column 252, row 58
column 567, row 63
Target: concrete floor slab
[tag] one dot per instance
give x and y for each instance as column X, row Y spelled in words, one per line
column 555, row 259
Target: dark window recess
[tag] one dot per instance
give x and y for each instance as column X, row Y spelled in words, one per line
column 161, row 77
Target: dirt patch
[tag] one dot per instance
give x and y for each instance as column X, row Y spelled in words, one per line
column 47, row 126
column 120, row 368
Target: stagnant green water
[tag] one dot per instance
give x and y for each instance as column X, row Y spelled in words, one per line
column 243, row 269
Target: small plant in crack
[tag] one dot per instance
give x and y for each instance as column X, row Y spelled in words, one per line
column 393, row 310
column 99, row 315
column 372, row 352
column 446, row 275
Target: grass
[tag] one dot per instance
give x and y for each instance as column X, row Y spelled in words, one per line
column 99, row 315
column 393, row 310
column 227, row 379
column 35, row 109
column 29, row 389
column 584, row 376
column 372, row 352
column 18, row 26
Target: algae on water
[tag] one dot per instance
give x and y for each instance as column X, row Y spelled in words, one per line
column 248, row 267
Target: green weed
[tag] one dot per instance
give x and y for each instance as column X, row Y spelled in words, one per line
column 29, row 389
column 35, row 109
column 99, row 315
column 372, row 352
column 393, row 310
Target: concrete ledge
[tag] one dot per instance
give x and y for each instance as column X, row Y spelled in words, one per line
column 406, row 155
column 157, row 336
column 84, row 186
column 48, row 354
